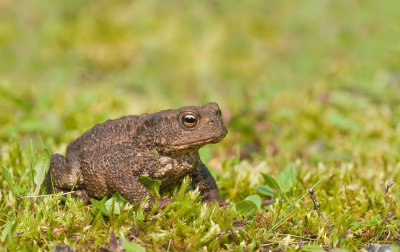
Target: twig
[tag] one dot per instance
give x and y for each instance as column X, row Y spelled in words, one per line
column 389, row 184
column 47, row 195
column 188, row 247
column 169, row 244
column 315, row 202
column 272, row 242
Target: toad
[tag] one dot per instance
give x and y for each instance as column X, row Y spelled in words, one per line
column 113, row 155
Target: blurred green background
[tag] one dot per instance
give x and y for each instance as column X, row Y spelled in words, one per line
column 293, row 78
column 308, row 84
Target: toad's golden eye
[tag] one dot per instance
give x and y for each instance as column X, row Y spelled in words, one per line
column 189, row 120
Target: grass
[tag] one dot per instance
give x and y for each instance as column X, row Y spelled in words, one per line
column 309, row 92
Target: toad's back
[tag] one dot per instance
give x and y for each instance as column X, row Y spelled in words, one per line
column 102, row 136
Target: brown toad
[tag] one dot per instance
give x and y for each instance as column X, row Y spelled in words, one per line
column 112, row 156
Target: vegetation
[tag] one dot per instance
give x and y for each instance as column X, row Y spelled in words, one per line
column 309, row 91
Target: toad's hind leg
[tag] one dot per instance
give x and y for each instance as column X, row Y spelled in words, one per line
column 63, row 175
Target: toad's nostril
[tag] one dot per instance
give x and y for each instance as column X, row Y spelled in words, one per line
column 212, row 120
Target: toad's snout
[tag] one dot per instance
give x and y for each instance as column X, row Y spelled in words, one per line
column 216, row 126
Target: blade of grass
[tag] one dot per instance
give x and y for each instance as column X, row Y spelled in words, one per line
column 41, row 168
column 289, row 212
column 10, row 181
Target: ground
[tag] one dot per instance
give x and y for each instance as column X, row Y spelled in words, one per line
column 309, row 92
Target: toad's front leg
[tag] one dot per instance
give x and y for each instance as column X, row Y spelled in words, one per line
column 128, row 185
column 207, row 186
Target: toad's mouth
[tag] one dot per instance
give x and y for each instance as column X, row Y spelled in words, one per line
column 194, row 144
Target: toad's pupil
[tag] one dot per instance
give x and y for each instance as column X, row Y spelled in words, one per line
column 190, row 119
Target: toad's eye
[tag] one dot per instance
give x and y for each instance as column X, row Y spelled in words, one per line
column 189, row 120
column 219, row 114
